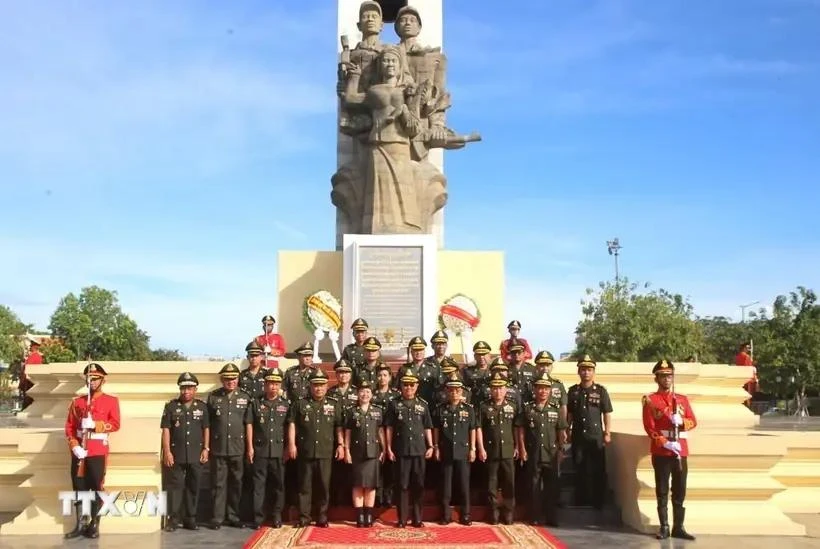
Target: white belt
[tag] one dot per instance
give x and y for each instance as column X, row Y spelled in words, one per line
column 93, row 436
column 669, row 434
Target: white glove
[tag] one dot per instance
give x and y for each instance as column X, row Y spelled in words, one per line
column 334, row 336
column 318, row 333
column 677, row 420
column 80, row 452
column 673, row 447
column 88, row 423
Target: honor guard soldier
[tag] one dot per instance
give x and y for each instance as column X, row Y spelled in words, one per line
column 538, row 426
column 354, row 352
column 273, row 344
column 185, row 434
column 454, row 427
column 521, row 372
column 91, row 418
column 372, row 361
column 315, row 423
column 270, row 414
column 252, row 379
column 383, row 395
column 409, row 443
column 297, row 379
column 498, row 447
column 514, row 328
column 439, row 343
column 588, row 414
column 347, row 397
column 667, row 419
column 230, row 417
column 364, row 445
column 478, row 375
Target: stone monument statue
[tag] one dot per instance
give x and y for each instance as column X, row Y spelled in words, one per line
column 393, row 103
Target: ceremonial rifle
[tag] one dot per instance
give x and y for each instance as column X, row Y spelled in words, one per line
column 81, row 466
column 675, row 426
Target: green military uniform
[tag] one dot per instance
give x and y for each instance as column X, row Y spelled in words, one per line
column 476, row 379
column 365, row 370
column 297, row 378
column 353, row 353
column 497, row 424
column 229, row 413
column 454, row 426
column 340, row 480
column 540, row 424
column 543, row 363
column 315, row 422
column 187, row 423
column 253, row 383
column 384, row 493
column 448, row 368
column 409, row 421
column 366, row 447
column 269, row 427
column 521, row 376
column 439, row 338
column 586, row 408
column 513, row 393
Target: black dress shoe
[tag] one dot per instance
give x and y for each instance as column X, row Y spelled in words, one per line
column 257, row 525
column 302, row 523
column 444, row 522
column 466, row 520
column 190, row 525
column 171, row 527
column 322, row 524
column 277, row 523
column 214, row 525
column 400, row 524
column 535, row 522
column 418, row 524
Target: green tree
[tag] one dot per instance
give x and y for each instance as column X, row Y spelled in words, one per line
column 625, row 322
column 722, row 338
column 788, row 344
column 167, row 355
column 94, row 326
column 55, row 351
column 11, row 331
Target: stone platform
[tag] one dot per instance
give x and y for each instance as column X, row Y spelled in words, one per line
column 744, row 479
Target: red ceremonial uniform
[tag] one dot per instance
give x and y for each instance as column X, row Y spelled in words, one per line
column 105, row 411
column 743, row 359
column 657, row 421
column 34, row 358
column 505, row 354
column 277, row 347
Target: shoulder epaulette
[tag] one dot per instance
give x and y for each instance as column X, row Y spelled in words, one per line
column 421, row 399
column 645, row 400
column 328, row 396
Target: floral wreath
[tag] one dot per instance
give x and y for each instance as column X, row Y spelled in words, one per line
column 326, row 307
column 464, row 320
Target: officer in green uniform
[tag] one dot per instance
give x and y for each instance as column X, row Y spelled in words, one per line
column 588, row 415
column 353, row 353
column 454, row 427
column 544, row 362
column 498, row 447
column 270, row 414
column 521, row 372
column 383, row 395
column 252, row 379
column 315, row 423
column 449, row 367
column 297, row 378
column 409, row 443
column 185, row 429
column 538, row 426
column 477, row 376
column 513, row 394
column 417, row 364
column 230, row 417
column 346, row 395
column 439, row 343
column 372, row 360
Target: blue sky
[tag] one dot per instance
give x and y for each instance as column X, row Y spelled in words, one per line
column 167, row 150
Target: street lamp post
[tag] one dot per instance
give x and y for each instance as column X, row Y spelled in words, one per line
column 743, row 311
column 614, row 247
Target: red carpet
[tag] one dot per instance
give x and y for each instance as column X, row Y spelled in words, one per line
column 381, row 536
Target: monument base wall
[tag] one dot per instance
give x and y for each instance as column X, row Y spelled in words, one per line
column 479, row 275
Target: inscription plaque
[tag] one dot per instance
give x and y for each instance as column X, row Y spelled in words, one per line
column 390, row 294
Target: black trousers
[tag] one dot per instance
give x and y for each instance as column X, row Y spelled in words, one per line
column 226, row 486
column 341, row 484
column 666, row 467
column 92, row 479
column 246, row 508
column 589, row 460
column 384, row 493
column 311, row 470
column 410, row 482
column 505, row 468
column 544, row 491
column 268, row 488
column 461, row 468
column 291, row 484
column 182, row 484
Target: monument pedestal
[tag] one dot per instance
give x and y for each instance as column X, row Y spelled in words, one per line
column 479, row 275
